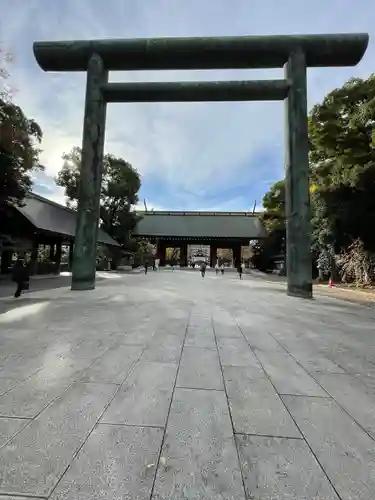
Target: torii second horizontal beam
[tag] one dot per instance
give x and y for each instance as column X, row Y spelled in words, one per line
column 257, row 90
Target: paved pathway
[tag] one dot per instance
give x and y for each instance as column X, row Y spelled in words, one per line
column 7, row 287
column 167, row 386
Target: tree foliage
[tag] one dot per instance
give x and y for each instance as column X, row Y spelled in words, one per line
column 19, row 153
column 19, row 141
column 5, row 59
column 119, row 191
column 274, row 199
column 342, row 165
column 342, row 175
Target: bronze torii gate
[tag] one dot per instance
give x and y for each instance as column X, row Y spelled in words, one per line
column 295, row 53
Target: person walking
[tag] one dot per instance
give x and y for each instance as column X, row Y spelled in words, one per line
column 239, row 270
column 203, row 269
column 222, row 269
column 217, row 268
column 20, row 276
column 146, row 266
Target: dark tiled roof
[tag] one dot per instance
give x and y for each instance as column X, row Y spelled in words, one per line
column 46, row 215
column 225, row 225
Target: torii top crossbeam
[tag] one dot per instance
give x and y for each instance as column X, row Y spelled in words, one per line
column 202, row 53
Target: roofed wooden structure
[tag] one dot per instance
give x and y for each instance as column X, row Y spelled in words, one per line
column 203, row 226
column 50, row 217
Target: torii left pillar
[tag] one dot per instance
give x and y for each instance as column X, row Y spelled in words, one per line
column 84, row 258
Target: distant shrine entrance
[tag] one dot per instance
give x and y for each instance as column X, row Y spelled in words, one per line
column 199, row 236
column 295, row 53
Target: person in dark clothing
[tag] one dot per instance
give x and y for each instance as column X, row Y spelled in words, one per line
column 146, row 266
column 239, row 270
column 20, row 276
column 203, row 269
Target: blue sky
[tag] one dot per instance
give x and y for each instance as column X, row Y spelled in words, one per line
column 202, row 156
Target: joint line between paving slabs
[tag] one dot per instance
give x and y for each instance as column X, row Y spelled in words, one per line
column 304, row 396
column 329, row 395
column 131, row 425
column 287, row 409
column 57, row 397
column 22, row 496
column 199, row 388
column 334, row 399
column 229, row 412
column 169, row 409
column 97, row 421
column 268, row 436
column 10, row 417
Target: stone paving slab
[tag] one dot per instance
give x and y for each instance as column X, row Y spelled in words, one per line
column 192, row 331
column 200, row 369
column 235, row 351
column 34, row 460
column 9, row 427
column 145, row 397
column 344, row 450
column 287, row 375
column 20, row 366
column 6, row 384
column 255, row 406
column 199, row 454
column 137, row 338
column 259, row 339
column 226, row 330
column 275, row 468
column 30, row 397
column 115, row 462
column 195, row 337
column 164, row 348
column 317, row 362
column 114, row 365
column 357, row 399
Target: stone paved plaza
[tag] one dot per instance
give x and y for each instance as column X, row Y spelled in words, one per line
column 167, row 386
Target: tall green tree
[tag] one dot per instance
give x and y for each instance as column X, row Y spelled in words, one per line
column 19, row 156
column 342, row 165
column 19, row 141
column 342, row 173
column 19, row 153
column 119, row 192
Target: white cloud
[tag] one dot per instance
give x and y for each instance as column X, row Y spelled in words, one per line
column 191, row 147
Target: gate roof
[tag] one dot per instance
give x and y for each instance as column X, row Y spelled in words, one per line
column 204, row 225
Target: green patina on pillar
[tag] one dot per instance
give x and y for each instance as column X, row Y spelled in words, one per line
column 84, row 259
column 297, row 206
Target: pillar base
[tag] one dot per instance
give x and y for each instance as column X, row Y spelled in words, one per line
column 302, row 292
column 82, row 285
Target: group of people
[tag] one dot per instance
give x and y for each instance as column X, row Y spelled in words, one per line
column 221, row 268
column 155, row 265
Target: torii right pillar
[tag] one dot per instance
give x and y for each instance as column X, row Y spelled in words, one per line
column 297, row 197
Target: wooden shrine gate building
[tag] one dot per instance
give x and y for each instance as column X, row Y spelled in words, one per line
column 216, row 229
